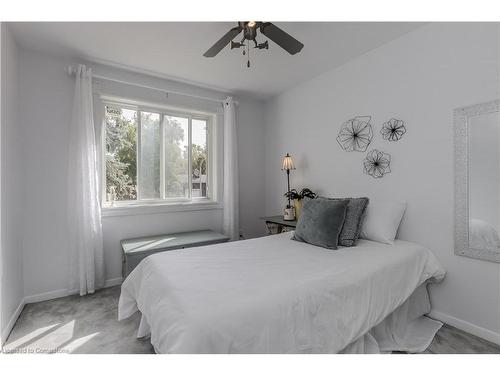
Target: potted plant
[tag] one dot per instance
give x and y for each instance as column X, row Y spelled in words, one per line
column 297, row 198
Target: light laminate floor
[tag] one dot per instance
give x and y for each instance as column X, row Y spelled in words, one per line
column 89, row 324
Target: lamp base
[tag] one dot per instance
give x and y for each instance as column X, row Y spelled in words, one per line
column 289, row 214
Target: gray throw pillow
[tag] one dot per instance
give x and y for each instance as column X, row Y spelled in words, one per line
column 355, row 213
column 320, row 222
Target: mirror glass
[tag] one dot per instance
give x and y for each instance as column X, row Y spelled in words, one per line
column 483, row 133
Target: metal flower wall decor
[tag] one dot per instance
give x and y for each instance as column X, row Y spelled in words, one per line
column 355, row 134
column 393, row 130
column 377, row 163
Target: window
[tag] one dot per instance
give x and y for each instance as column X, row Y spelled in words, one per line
column 156, row 155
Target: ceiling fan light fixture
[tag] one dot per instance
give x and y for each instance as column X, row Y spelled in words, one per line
column 250, row 30
column 236, row 45
column 264, row 45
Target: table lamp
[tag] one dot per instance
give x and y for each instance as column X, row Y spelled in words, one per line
column 289, row 213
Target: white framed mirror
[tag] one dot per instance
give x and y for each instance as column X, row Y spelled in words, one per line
column 477, row 181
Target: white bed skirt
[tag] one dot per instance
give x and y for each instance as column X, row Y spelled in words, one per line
column 406, row 329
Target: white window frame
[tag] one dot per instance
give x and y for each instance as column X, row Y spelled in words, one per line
column 139, row 206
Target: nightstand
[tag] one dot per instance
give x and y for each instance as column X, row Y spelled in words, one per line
column 276, row 224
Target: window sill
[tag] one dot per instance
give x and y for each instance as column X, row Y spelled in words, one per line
column 158, row 208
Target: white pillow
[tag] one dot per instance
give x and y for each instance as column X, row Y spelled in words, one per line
column 382, row 219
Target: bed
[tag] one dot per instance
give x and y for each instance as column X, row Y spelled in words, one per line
column 275, row 295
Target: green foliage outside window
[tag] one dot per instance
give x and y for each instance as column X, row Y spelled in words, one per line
column 121, row 156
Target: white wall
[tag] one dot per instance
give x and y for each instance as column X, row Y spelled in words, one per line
column 46, row 92
column 419, row 78
column 251, row 161
column 11, row 188
column 1, row 240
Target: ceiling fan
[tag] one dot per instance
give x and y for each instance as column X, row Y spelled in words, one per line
column 249, row 29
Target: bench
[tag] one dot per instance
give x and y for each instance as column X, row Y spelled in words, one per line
column 136, row 249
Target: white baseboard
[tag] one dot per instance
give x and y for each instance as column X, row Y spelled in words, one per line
column 45, row 297
column 65, row 292
column 481, row 332
column 113, row 282
column 12, row 321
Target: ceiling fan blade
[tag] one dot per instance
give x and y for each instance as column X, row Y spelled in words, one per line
column 222, row 42
column 281, row 38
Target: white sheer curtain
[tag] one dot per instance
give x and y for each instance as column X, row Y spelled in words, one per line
column 84, row 207
column 231, row 186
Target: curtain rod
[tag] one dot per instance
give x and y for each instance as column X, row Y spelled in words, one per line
column 71, row 70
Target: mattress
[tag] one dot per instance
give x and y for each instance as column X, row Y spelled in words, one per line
column 272, row 294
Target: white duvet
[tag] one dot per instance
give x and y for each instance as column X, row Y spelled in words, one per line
column 272, row 294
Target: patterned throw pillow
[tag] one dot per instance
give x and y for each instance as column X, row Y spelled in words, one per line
column 355, row 213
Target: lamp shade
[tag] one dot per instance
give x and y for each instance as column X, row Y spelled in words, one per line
column 287, row 163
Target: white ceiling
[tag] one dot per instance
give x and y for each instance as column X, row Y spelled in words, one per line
column 175, row 49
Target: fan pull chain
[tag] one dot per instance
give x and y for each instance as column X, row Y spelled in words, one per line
column 248, row 55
